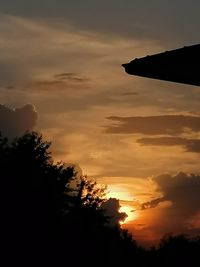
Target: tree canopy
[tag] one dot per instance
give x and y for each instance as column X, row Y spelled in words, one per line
column 50, row 211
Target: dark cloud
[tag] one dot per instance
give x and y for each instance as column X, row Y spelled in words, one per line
column 178, row 207
column 9, row 87
column 190, row 145
column 182, row 190
column 111, row 209
column 73, row 77
column 151, row 204
column 61, row 81
column 154, row 125
column 15, row 122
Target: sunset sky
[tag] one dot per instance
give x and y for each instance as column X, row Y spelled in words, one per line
column 61, row 74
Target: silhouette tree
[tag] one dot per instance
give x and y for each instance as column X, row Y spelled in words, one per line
column 50, row 213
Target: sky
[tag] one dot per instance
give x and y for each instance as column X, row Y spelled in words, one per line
column 61, row 74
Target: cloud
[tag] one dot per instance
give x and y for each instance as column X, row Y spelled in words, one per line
column 15, row 122
column 111, row 209
column 68, row 76
column 190, row 145
column 60, row 49
column 9, row 87
column 182, row 190
column 62, row 81
column 35, row 50
column 151, row 204
column 154, row 125
column 175, row 209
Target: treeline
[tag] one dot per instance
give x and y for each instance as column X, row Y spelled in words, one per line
column 53, row 216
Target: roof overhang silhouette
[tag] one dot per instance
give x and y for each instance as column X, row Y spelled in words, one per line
column 180, row 65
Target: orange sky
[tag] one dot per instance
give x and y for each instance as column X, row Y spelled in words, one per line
column 125, row 131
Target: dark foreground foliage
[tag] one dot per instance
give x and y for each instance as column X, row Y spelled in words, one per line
column 52, row 216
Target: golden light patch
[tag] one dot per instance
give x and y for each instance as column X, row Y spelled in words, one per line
column 124, row 197
column 120, row 193
column 131, row 214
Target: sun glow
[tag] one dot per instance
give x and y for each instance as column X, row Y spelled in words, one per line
column 118, row 192
column 131, row 214
column 125, row 199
